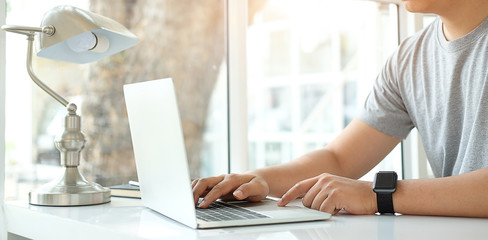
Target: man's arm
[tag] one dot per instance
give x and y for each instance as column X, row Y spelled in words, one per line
column 463, row 195
column 352, row 154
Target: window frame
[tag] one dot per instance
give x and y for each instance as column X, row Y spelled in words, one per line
column 3, row 13
column 237, row 86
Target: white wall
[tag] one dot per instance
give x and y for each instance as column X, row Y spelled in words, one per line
column 3, row 225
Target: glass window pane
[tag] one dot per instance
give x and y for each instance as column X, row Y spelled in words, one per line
column 181, row 39
column 311, row 65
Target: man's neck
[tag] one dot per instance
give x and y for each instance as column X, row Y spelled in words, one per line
column 464, row 19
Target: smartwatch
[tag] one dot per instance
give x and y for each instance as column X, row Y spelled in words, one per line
column 384, row 186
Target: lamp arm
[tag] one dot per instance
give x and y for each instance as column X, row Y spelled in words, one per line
column 30, row 52
column 24, row 30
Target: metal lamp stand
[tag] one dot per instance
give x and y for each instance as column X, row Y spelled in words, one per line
column 71, row 189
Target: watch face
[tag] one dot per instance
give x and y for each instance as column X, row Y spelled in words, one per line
column 385, row 181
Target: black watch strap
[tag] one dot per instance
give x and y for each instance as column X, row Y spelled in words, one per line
column 385, row 202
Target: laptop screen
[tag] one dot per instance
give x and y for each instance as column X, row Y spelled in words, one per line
column 159, row 149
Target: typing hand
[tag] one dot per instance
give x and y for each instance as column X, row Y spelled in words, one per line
column 330, row 193
column 229, row 186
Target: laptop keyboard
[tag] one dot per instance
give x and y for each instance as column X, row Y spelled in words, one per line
column 221, row 211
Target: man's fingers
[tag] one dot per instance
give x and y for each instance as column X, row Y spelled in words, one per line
column 299, row 190
column 223, row 188
column 194, row 182
column 317, row 200
column 215, row 193
column 310, row 196
column 202, row 186
column 329, row 207
column 253, row 191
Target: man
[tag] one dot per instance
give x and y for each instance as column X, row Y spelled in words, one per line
column 436, row 81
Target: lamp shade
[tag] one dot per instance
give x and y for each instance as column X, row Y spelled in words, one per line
column 81, row 36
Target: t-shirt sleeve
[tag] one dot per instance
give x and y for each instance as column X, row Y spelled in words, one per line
column 384, row 108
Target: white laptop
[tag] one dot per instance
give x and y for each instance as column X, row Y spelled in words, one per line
column 162, row 165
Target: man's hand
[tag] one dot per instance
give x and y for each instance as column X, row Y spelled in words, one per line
column 330, row 193
column 229, row 186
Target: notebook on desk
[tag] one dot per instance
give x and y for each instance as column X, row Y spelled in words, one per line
column 162, row 166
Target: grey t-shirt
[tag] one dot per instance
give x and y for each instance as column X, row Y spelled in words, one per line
column 441, row 88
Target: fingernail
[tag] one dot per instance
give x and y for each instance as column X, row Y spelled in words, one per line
column 238, row 194
column 201, row 203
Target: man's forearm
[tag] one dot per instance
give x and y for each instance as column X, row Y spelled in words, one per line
column 463, row 195
column 352, row 154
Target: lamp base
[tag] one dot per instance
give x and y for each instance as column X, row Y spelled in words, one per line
column 72, row 189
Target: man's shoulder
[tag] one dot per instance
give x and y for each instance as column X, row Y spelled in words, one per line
column 420, row 39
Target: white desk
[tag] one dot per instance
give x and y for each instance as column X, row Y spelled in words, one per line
column 125, row 218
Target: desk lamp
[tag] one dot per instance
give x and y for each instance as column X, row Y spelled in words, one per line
column 74, row 35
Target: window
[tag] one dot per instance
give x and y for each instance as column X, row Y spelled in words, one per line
column 181, row 39
column 310, row 66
